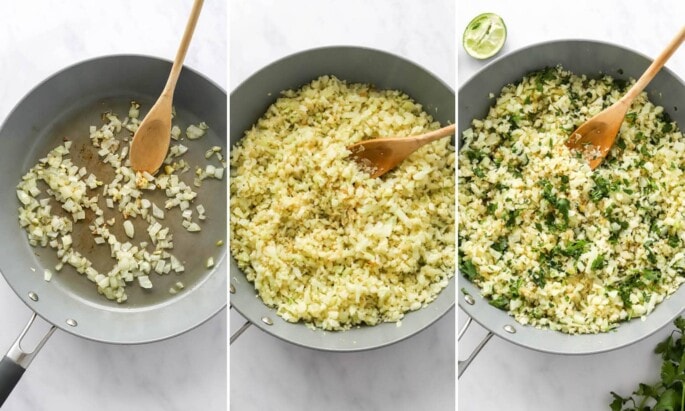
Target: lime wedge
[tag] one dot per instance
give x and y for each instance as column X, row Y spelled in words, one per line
column 484, row 36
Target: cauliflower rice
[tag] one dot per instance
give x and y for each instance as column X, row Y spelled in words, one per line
column 324, row 243
column 552, row 242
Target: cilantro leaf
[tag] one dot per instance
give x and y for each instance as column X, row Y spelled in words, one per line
column 668, row 401
column 668, row 372
column 468, row 270
column 501, row 244
column 500, row 302
column 617, row 403
column 598, row 262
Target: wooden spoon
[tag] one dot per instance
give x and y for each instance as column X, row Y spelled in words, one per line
column 381, row 155
column 595, row 137
column 151, row 141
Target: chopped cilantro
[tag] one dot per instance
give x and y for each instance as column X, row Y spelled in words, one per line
column 500, row 302
column 561, row 205
column 478, row 172
column 674, row 240
column 539, row 278
column 475, row 154
column 468, row 270
column 575, row 249
column 514, row 121
column 501, row 244
column 651, row 275
column 511, row 217
column 598, row 263
column 602, row 188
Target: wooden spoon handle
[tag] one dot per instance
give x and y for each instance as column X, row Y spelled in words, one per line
column 654, row 68
column 437, row 134
column 183, row 48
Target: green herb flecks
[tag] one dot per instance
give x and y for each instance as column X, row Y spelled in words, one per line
column 598, row 263
column 511, row 217
column 630, row 117
column 559, row 207
column 475, row 155
column 500, row 302
column 636, row 280
column 575, row 249
column 602, row 188
column 500, row 245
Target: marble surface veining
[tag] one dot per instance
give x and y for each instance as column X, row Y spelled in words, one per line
column 415, row 374
column 505, row 376
column 38, row 38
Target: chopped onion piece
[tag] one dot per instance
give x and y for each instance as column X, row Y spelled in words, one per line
column 133, row 111
column 157, row 212
column 175, row 132
column 194, row 132
column 144, row 281
column 24, row 197
column 128, row 228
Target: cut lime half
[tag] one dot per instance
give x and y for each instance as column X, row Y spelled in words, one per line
column 484, row 36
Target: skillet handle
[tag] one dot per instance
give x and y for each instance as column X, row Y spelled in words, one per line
column 463, row 365
column 241, row 330
column 10, row 373
column 15, row 362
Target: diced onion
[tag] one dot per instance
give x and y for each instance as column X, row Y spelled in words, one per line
column 144, row 281
column 128, row 228
column 194, row 132
column 70, row 186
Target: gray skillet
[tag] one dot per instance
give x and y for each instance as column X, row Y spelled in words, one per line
column 65, row 105
column 581, row 57
column 250, row 100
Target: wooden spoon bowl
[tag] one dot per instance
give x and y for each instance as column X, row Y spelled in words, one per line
column 596, row 136
column 381, row 155
column 151, row 141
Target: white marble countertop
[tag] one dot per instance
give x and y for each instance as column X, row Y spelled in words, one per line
column 418, row 373
column 505, row 376
column 38, row 38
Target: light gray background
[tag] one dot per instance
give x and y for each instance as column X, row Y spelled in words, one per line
column 38, row 38
column 505, row 376
column 418, row 373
